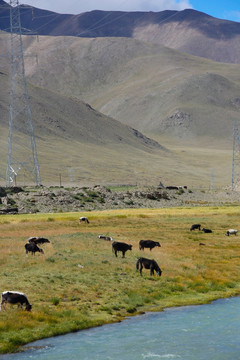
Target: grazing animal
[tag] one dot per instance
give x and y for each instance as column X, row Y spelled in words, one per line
column 33, row 248
column 231, row 232
column 176, row 187
column 201, row 244
column 108, row 238
column 84, row 219
column 38, row 240
column 120, row 246
column 148, row 264
column 150, row 244
column 195, row 226
column 14, row 297
column 206, row 230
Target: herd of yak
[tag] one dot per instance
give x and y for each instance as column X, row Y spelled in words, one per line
column 32, row 246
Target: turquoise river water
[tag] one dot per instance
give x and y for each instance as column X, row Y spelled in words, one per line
column 205, row 332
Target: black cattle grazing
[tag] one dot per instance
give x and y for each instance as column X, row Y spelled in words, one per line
column 148, row 264
column 150, row 244
column 206, row 230
column 38, row 240
column 195, row 226
column 84, row 219
column 33, row 248
column 108, row 238
column 120, row 246
column 201, row 244
column 14, row 297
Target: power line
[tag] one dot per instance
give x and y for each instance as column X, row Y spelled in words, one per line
column 22, row 151
column 117, row 18
column 92, row 27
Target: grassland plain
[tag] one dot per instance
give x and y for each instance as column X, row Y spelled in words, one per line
column 78, row 283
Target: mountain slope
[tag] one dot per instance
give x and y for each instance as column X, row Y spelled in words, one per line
column 71, row 134
column 189, row 30
column 72, row 119
column 195, row 33
column 156, row 88
column 147, row 86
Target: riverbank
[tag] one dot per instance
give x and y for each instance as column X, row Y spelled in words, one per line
column 78, row 282
column 212, row 333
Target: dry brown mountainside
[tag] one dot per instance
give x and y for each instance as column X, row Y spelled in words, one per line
column 98, row 102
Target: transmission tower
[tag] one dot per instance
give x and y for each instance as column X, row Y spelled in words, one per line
column 236, row 158
column 22, row 151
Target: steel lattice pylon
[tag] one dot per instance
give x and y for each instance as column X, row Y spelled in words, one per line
column 236, row 159
column 22, row 151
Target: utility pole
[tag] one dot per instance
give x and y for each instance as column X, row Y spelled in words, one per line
column 22, row 151
column 236, row 158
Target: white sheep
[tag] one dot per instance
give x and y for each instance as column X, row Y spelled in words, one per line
column 231, row 232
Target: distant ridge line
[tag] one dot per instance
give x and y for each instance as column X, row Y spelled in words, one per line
column 189, row 30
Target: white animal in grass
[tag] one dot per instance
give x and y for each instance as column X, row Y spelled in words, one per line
column 231, row 232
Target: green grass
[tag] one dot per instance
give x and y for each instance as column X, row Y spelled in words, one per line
column 79, row 283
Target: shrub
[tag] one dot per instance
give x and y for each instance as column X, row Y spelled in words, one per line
column 87, row 199
column 16, row 340
column 11, row 201
column 131, row 309
column 129, row 202
column 180, row 191
column 55, row 301
column 92, row 194
column 165, row 195
column 2, row 192
column 35, row 210
column 76, row 197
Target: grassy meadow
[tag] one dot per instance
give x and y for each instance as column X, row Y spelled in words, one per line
column 78, row 282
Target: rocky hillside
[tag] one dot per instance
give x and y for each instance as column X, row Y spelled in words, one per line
column 60, row 199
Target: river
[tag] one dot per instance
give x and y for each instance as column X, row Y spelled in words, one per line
column 205, row 332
